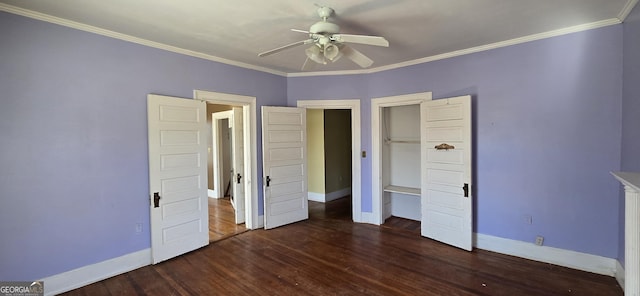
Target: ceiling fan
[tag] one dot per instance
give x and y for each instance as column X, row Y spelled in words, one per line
column 328, row 45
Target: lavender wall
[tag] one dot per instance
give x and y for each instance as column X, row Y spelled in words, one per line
column 546, row 127
column 630, row 108
column 74, row 179
column 631, row 93
column 73, row 123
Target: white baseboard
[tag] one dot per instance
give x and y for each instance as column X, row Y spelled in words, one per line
column 337, row 194
column 315, row 196
column 620, row 274
column 326, row 197
column 566, row 258
column 67, row 281
column 213, row 194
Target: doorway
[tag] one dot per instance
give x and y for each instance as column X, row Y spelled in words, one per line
column 356, row 179
column 249, row 173
column 226, row 214
column 329, row 155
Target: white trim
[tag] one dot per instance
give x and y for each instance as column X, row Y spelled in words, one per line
column 252, row 219
column 212, row 193
column 337, row 194
column 620, row 274
column 79, row 277
column 315, row 196
column 631, row 182
column 376, row 141
column 327, row 197
column 260, row 222
column 356, row 146
column 368, row 217
column 628, row 7
column 562, row 257
column 104, row 32
column 515, row 41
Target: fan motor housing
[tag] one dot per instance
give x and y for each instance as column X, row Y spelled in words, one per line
column 324, row 28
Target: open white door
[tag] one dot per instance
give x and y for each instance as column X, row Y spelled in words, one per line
column 284, row 148
column 177, row 176
column 238, row 180
column 446, row 174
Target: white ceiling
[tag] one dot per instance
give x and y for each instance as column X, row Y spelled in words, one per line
column 236, row 31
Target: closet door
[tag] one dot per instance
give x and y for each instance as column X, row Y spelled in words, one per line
column 446, row 171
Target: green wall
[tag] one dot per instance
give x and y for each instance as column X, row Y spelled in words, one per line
column 315, row 150
column 337, row 147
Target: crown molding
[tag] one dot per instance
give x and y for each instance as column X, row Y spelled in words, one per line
column 108, row 33
column 630, row 4
column 529, row 38
column 628, row 7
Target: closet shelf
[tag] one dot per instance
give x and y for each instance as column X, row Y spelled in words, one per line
column 402, row 189
column 402, row 141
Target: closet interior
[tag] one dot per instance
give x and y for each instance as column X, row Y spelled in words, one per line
column 400, row 167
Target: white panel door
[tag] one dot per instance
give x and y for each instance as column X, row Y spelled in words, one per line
column 238, row 179
column 446, row 173
column 177, row 176
column 284, row 148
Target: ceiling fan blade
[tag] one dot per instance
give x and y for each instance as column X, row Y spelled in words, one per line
column 362, row 39
column 356, row 56
column 279, row 49
column 300, row 31
column 308, row 65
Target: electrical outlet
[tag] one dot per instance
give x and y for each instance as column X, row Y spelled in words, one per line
column 539, row 240
column 527, row 219
column 138, row 227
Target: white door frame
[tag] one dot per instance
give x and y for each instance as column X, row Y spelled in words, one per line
column 356, row 171
column 249, row 118
column 376, row 144
column 218, row 188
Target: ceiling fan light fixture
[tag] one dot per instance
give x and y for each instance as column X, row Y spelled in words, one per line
column 331, row 52
column 329, row 45
column 315, row 54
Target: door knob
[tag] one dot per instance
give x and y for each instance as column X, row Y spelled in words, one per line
column 156, row 199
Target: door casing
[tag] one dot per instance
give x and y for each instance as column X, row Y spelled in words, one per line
column 356, row 171
column 376, row 140
column 248, row 104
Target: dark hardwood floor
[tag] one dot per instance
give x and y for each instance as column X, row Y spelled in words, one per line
column 222, row 222
column 330, row 255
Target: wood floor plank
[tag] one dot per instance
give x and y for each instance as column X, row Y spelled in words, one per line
column 330, row 255
column 222, row 223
